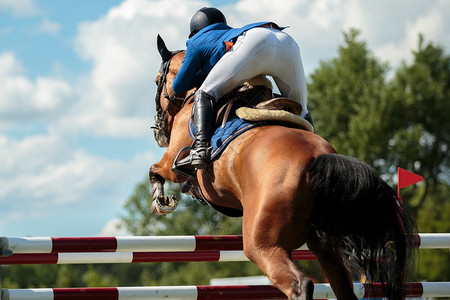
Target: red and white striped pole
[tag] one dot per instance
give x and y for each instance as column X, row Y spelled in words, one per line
column 163, row 243
column 134, row 257
column 321, row 291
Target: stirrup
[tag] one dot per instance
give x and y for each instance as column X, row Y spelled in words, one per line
column 193, row 161
column 198, row 158
column 186, row 172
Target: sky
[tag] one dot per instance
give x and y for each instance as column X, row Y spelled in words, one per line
column 77, row 91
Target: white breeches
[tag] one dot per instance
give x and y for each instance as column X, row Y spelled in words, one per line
column 260, row 50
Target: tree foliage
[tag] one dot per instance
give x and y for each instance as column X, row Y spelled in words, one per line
column 346, row 98
column 419, row 113
column 393, row 120
column 434, row 217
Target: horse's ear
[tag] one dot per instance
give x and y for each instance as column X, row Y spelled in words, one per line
column 162, row 48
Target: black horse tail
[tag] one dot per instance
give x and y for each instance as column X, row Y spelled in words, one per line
column 359, row 213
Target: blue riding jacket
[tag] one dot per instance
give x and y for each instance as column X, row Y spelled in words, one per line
column 203, row 51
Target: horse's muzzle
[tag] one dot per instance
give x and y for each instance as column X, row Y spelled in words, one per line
column 161, row 138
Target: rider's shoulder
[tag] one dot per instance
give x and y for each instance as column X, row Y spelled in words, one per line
column 209, row 31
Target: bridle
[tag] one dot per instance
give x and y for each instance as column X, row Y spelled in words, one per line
column 172, row 99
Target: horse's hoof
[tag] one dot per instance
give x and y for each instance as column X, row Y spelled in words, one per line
column 307, row 290
column 164, row 205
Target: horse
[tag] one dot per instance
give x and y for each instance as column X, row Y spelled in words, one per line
column 291, row 187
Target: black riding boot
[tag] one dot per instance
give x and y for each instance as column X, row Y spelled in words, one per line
column 203, row 117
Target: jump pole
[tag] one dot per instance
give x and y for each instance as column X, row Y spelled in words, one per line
column 164, row 243
column 321, row 291
column 134, row 257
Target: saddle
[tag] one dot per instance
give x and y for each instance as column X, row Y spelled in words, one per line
column 255, row 102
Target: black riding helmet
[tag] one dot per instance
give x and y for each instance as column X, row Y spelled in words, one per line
column 205, row 17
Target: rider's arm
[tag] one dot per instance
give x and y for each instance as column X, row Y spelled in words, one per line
column 189, row 75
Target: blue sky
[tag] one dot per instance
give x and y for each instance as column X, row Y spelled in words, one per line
column 47, row 31
column 76, row 91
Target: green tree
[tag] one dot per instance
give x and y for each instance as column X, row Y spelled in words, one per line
column 346, row 96
column 69, row 276
column 93, row 278
column 418, row 117
column 389, row 122
column 434, row 216
column 29, row 276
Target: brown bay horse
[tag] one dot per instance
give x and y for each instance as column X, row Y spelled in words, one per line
column 292, row 188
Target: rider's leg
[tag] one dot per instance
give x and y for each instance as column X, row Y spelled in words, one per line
column 261, row 51
column 203, row 117
column 288, row 72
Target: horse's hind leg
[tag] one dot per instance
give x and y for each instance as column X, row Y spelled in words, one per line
column 269, row 237
column 330, row 260
column 278, row 266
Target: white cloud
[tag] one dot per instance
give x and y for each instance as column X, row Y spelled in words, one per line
column 48, row 26
column 265, row 10
column 27, row 99
column 114, row 227
column 432, row 23
column 19, row 8
column 391, row 28
column 46, row 174
column 9, row 65
column 117, row 95
column 325, row 13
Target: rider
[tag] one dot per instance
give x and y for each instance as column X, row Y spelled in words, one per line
column 219, row 58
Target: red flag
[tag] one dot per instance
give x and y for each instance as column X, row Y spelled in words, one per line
column 406, row 178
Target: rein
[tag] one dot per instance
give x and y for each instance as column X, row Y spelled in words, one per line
column 172, row 99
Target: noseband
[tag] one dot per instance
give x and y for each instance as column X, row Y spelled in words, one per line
column 172, row 99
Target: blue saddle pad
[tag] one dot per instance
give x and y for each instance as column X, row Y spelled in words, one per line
column 223, row 136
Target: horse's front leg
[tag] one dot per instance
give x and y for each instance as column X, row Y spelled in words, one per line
column 158, row 174
column 161, row 205
column 162, row 171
